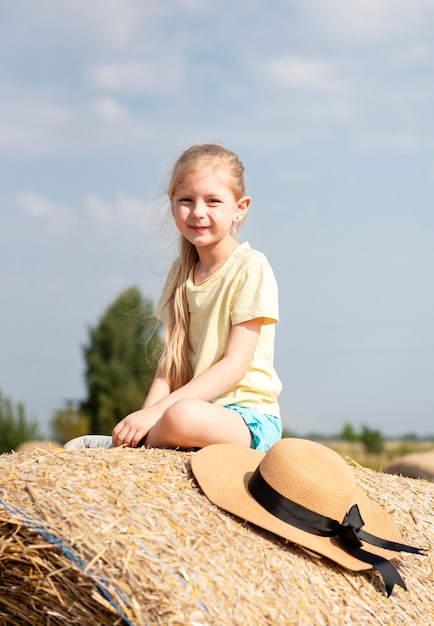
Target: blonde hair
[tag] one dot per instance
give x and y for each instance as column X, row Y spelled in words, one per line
column 174, row 364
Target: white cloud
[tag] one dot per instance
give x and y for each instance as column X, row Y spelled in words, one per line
column 34, row 124
column 99, row 210
column 124, row 210
column 38, row 206
column 413, row 53
column 158, row 77
column 49, row 220
column 109, row 109
column 304, row 74
column 115, row 23
column 129, row 23
column 314, row 90
column 30, row 124
column 369, row 20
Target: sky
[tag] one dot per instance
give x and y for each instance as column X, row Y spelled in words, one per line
column 330, row 105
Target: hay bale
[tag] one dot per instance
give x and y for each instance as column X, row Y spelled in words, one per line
column 416, row 465
column 39, row 444
column 126, row 536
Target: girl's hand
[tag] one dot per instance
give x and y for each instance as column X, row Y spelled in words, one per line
column 134, row 427
column 220, row 377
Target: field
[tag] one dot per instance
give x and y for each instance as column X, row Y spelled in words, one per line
column 393, row 448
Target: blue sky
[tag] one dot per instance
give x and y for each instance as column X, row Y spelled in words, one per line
column 330, row 105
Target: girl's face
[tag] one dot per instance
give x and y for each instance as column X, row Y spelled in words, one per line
column 205, row 208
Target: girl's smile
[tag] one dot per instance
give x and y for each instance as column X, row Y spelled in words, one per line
column 198, row 229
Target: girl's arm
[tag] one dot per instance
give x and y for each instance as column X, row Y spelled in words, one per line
column 220, row 377
column 158, row 390
column 224, row 374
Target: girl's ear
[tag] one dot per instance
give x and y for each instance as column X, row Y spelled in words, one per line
column 242, row 207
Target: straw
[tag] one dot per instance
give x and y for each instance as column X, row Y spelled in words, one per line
column 126, row 536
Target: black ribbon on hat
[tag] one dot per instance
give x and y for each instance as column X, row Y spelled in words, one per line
column 349, row 531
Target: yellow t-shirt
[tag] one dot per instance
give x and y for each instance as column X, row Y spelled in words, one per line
column 242, row 289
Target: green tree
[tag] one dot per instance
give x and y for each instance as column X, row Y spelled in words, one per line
column 68, row 423
column 121, row 359
column 14, row 427
column 348, row 433
column 372, row 440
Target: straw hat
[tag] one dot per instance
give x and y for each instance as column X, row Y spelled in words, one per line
column 306, row 493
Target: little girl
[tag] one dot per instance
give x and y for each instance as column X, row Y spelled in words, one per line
column 215, row 382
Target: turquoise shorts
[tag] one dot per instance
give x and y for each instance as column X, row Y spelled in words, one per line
column 265, row 429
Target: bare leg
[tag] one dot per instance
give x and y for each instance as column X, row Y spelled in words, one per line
column 195, row 423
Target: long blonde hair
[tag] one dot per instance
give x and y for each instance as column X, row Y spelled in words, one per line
column 174, row 364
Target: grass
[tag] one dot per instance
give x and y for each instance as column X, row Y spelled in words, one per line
column 392, row 449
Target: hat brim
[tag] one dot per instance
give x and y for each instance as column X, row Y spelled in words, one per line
column 223, row 472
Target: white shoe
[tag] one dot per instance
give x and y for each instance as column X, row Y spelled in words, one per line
column 89, row 441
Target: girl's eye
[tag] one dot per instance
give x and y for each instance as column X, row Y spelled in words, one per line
column 213, row 201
